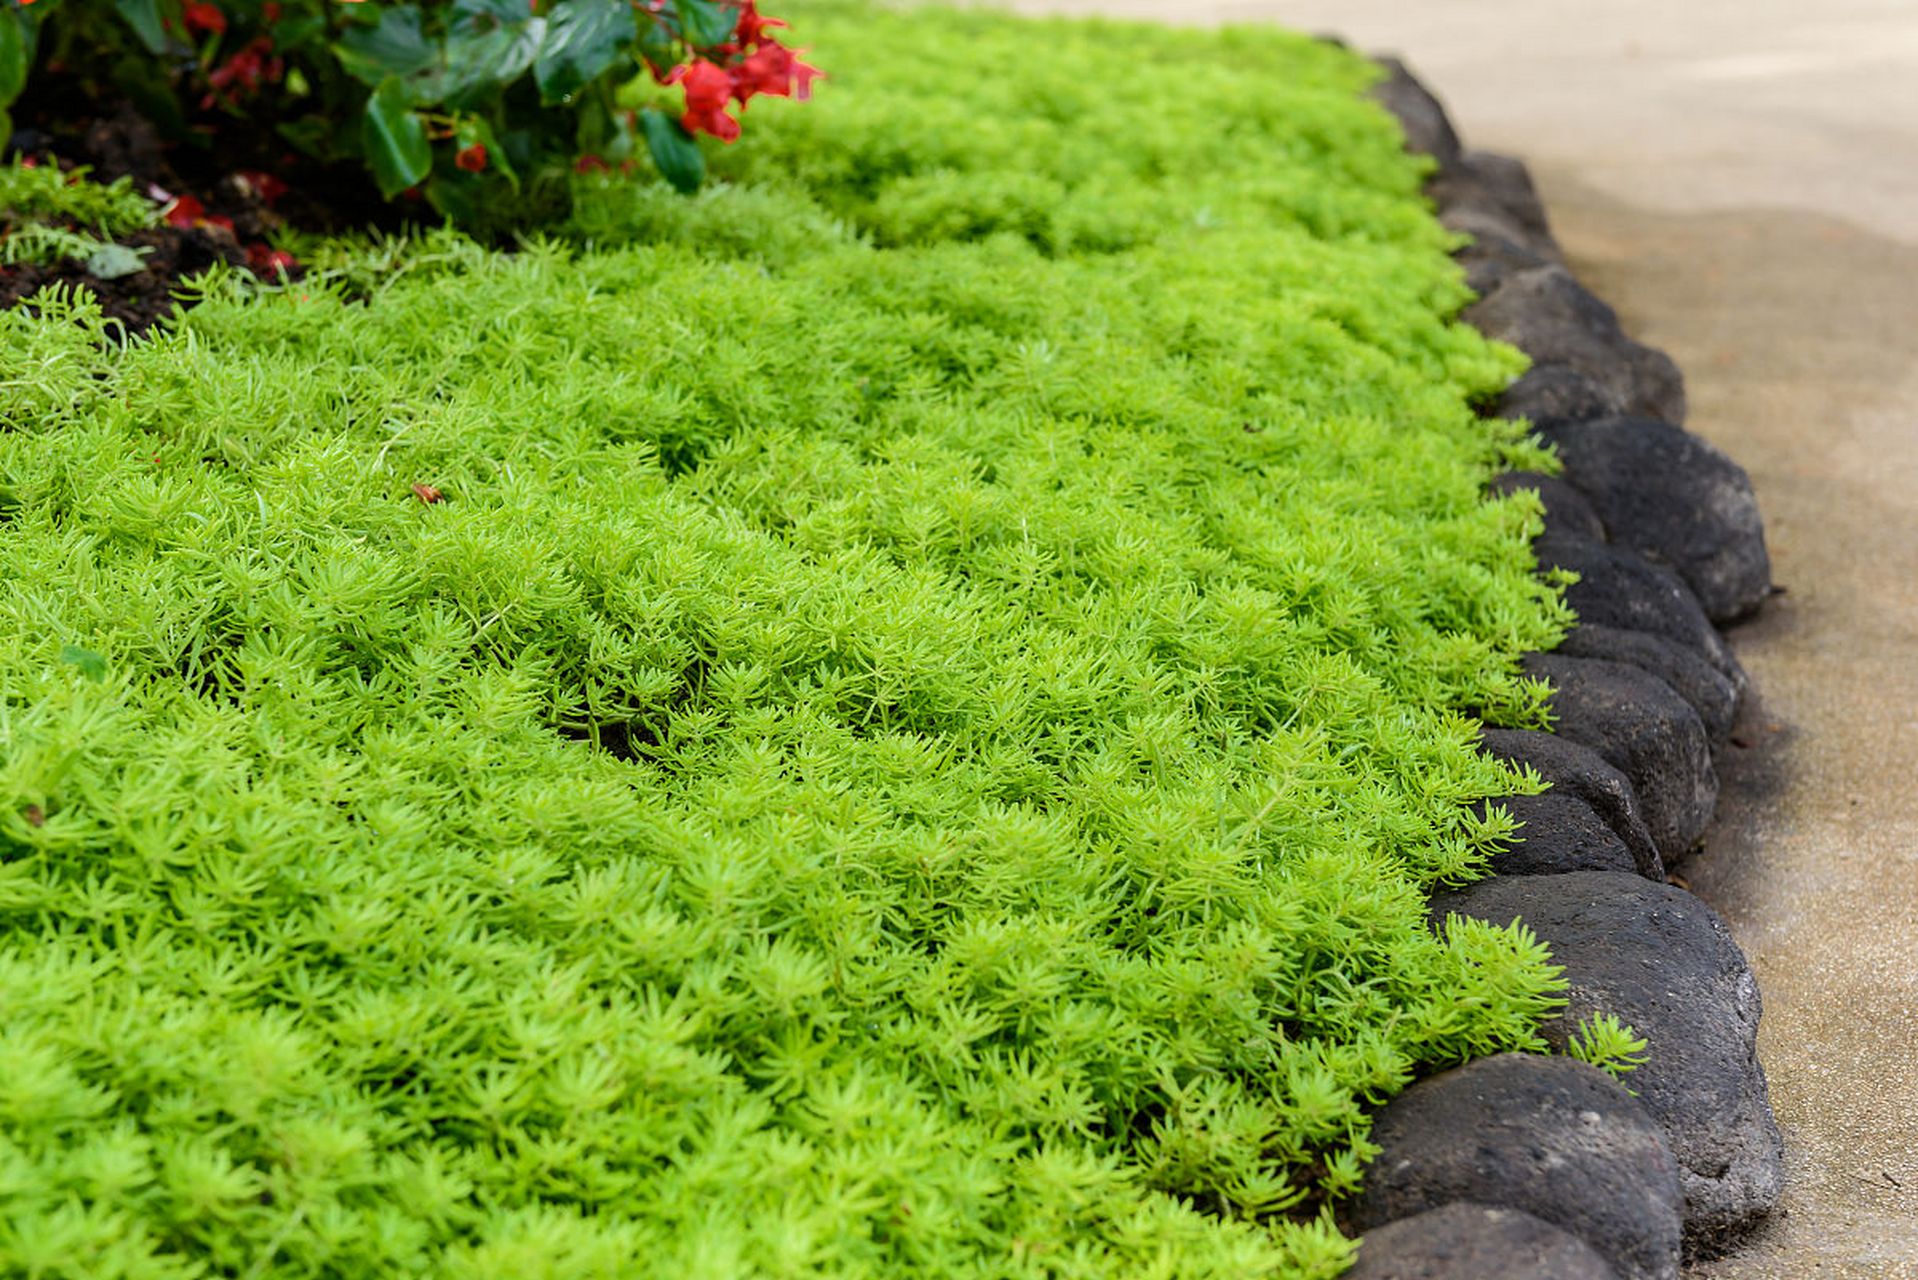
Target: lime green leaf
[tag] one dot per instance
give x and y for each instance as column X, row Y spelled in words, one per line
column 395, row 139
column 677, row 154
column 91, row 664
column 583, row 39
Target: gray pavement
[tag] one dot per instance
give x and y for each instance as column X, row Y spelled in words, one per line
column 1740, row 178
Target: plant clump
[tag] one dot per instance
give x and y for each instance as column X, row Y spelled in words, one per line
column 893, row 718
column 479, row 107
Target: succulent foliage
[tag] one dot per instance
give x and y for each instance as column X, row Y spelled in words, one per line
column 911, row 740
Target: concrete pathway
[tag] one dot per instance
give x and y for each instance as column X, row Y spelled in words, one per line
column 1740, row 178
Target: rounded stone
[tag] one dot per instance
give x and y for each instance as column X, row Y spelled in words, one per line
column 1654, row 956
column 1618, row 587
column 1548, row 391
column 1420, row 117
column 1676, row 499
column 1549, row 316
column 1644, row 729
column 1567, row 511
column 1711, row 693
column 1552, row 1137
column 1578, row 772
column 1476, row 1242
column 1557, row 833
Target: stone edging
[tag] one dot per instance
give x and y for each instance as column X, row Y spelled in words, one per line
column 1522, row 1166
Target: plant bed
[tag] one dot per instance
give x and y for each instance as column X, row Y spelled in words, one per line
column 897, row 716
column 1663, row 534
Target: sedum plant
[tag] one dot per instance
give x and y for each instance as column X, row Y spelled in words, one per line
column 480, row 106
column 1608, row 1044
column 895, row 718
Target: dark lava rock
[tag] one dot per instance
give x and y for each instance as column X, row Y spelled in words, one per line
column 1494, row 252
column 1711, row 693
column 1567, row 510
column 1547, row 390
column 1578, row 772
column 1558, row 832
column 1677, row 499
column 1548, row 315
column 1657, row 958
column 1419, row 114
column 1475, row 1242
column 1488, row 195
column 1491, row 256
column 1552, row 1137
column 1649, row 733
column 1510, row 182
column 1620, row 588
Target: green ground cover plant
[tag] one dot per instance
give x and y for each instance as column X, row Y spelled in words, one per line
column 45, row 216
column 892, row 718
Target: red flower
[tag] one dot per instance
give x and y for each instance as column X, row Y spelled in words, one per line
column 261, row 184
column 184, row 211
column 244, row 72
column 752, row 28
column 590, row 164
column 201, row 16
column 271, row 10
column 472, row 159
column 775, row 71
column 269, row 262
column 709, row 89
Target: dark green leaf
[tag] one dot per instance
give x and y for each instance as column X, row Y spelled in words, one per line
column 91, row 664
column 395, row 46
column 457, row 196
column 484, row 15
column 677, row 154
column 13, row 54
column 144, row 17
column 395, row 139
column 143, row 80
column 483, row 63
column 704, row 23
column 291, row 33
column 583, row 39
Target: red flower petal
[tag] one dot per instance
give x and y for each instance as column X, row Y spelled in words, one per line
column 184, row 212
column 202, row 16
column 472, row 159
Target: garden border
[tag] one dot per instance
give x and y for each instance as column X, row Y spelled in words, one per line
column 1528, row 1166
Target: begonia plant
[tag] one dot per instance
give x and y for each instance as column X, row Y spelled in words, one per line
column 479, row 106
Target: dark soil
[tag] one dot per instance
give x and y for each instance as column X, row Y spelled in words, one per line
column 59, row 123
column 137, row 301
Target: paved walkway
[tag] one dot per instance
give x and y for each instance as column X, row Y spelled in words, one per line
column 1740, row 178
